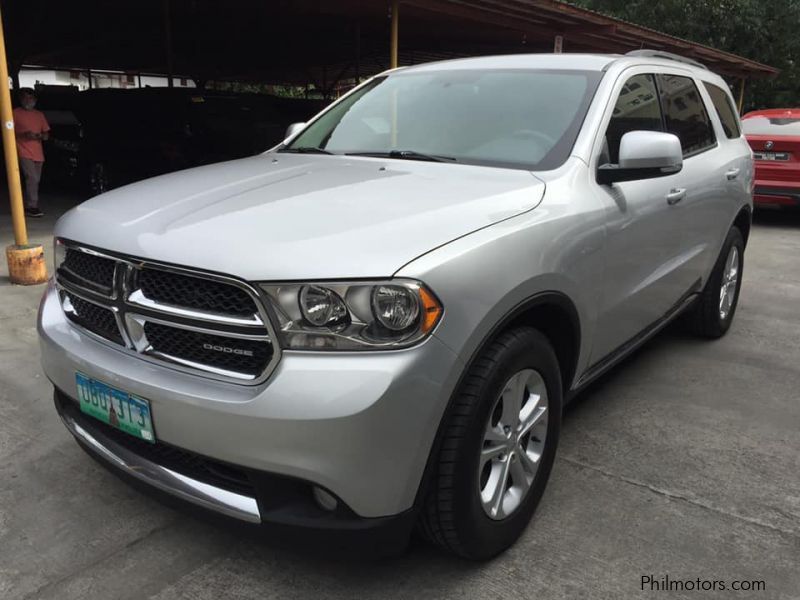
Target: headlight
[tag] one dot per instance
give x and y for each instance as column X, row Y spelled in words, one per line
column 395, row 307
column 353, row 316
column 322, row 307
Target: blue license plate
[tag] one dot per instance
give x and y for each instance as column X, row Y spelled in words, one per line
column 126, row 412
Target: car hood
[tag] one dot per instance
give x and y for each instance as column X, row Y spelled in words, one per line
column 287, row 216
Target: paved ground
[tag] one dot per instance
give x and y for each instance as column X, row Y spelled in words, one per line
column 683, row 462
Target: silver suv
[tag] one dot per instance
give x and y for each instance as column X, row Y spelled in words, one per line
column 376, row 324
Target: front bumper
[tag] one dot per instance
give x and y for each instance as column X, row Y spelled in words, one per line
column 359, row 425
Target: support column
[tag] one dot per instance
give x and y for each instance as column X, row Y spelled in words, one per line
column 394, row 35
column 741, row 94
column 26, row 264
column 358, row 54
column 168, row 43
column 15, row 69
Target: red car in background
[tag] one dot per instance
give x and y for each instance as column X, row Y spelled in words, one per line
column 774, row 136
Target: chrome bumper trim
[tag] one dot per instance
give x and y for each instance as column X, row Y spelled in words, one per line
column 202, row 494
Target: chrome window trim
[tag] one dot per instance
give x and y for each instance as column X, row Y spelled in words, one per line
column 128, row 312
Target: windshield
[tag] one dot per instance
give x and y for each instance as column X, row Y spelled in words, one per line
column 775, row 126
column 524, row 119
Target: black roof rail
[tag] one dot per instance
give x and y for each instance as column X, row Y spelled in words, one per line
column 668, row 55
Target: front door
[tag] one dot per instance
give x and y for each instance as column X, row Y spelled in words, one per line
column 646, row 271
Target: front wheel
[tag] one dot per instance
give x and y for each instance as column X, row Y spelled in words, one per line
column 713, row 314
column 498, row 447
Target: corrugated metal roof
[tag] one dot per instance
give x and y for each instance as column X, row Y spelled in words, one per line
column 319, row 41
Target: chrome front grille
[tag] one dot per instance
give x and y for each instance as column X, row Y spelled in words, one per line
column 88, row 269
column 94, row 317
column 194, row 293
column 203, row 323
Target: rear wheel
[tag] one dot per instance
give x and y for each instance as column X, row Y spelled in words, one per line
column 713, row 314
column 498, row 447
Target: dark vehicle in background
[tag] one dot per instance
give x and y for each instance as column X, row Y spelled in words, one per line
column 774, row 136
column 105, row 138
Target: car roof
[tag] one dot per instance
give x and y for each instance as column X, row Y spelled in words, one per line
column 569, row 62
column 565, row 62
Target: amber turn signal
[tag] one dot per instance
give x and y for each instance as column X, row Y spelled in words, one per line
column 431, row 310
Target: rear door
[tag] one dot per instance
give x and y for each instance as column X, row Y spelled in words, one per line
column 729, row 168
column 713, row 169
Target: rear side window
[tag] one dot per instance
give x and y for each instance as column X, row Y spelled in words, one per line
column 724, row 107
column 636, row 110
column 684, row 113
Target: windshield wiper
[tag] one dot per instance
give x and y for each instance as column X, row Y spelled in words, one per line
column 405, row 154
column 306, row 150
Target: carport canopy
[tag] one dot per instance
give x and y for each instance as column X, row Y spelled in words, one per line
column 297, row 42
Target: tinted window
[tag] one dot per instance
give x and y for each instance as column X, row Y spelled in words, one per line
column 636, row 109
column 515, row 118
column 684, row 113
column 725, row 111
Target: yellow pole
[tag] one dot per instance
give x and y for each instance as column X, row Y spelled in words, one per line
column 741, row 95
column 26, row 264
column 394, row 38
column 10, row 148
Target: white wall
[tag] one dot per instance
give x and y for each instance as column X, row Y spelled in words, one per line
column 30, row 77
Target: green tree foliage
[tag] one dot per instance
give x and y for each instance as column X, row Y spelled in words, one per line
column 764, row 30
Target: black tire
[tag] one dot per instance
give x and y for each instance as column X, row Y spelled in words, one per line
column 452, row 515
column 705, row 319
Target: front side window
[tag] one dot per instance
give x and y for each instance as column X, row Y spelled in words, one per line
column 517, row 118
column 724, row 107
column 636, row 109
column 684, row 113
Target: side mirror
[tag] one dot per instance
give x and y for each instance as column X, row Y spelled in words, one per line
column 643, row 155
column 292, row 129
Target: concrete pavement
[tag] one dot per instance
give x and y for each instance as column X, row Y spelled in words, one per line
column 683, row 462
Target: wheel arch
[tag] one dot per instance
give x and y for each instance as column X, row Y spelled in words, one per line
column 549, row 312
column 556, row 317
column 743, row 221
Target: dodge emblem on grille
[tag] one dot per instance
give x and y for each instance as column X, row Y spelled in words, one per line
column 228, row 350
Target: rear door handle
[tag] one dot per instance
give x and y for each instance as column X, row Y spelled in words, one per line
column 733, row 173
column 676, row 195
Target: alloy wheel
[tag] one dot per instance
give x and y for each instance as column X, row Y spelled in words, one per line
column 513, row 443
column 730, row 281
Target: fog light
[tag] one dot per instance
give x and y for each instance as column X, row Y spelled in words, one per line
column 325, row 499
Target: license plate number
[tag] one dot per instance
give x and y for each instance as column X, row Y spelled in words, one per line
column 771, row 156
column 126, row 412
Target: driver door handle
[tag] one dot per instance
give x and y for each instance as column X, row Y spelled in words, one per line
column 676, row 195
column 733, row 173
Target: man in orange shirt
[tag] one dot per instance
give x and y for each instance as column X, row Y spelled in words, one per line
column 31, row 128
